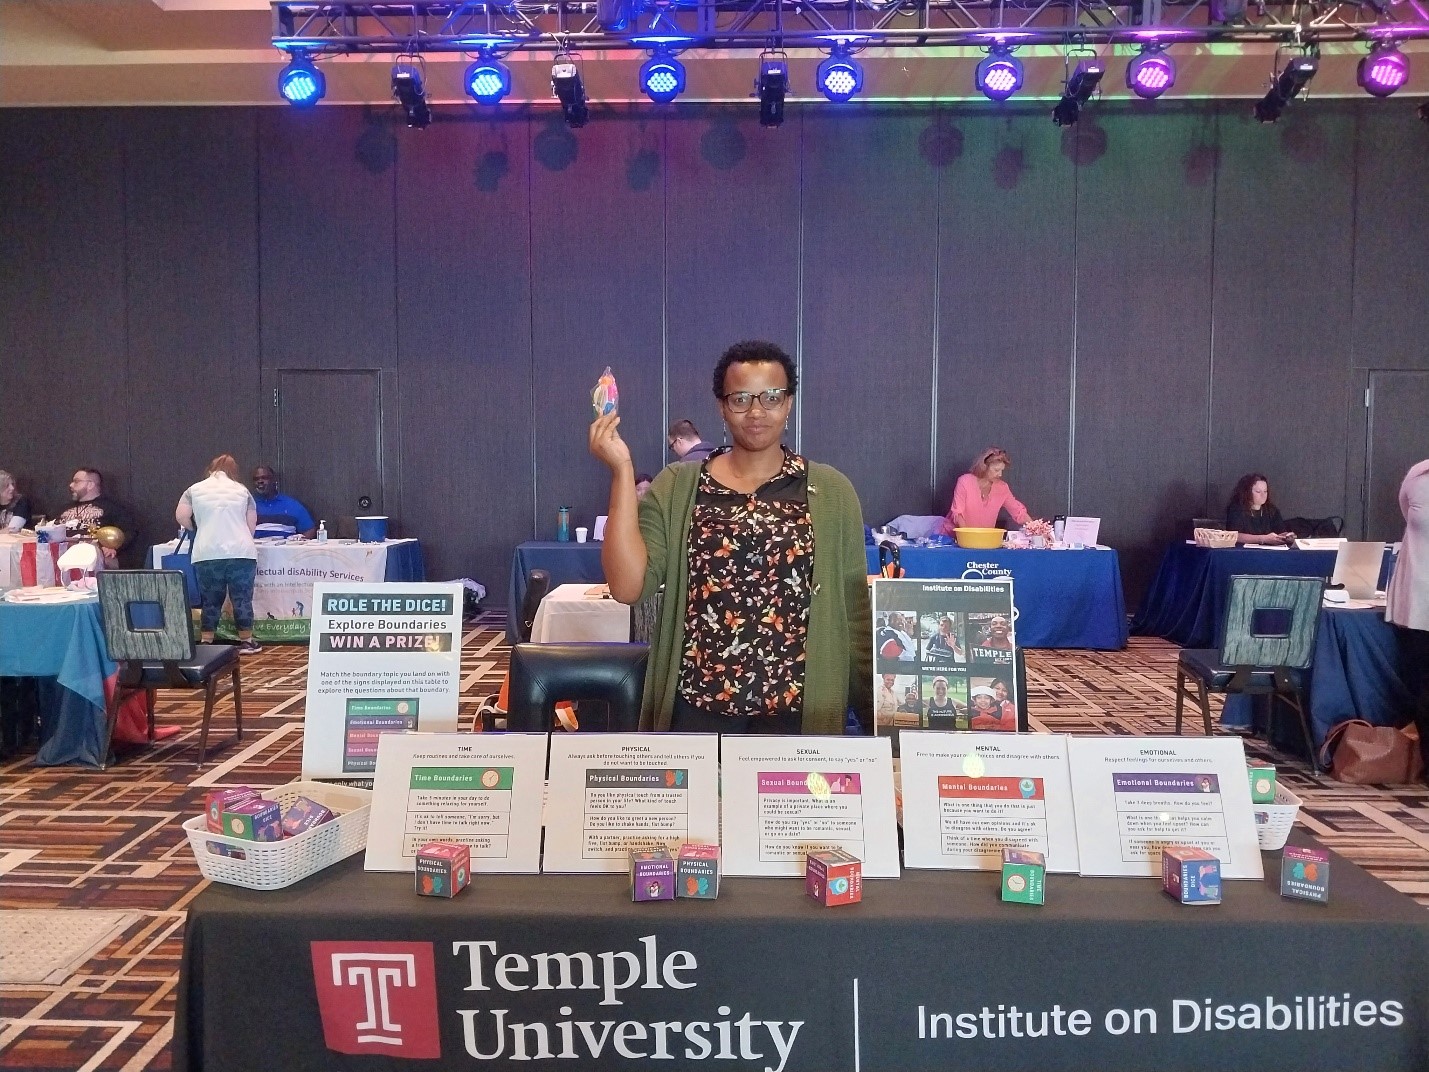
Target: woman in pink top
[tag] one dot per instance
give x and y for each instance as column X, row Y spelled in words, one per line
column 981, row 494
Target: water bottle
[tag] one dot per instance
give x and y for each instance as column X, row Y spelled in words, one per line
column 1059, row 526
column 563, row 524
column 322, row 532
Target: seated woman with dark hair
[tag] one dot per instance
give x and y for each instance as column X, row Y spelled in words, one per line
column 1251, row 514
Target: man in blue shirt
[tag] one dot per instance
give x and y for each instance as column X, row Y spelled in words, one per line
column 278, row 514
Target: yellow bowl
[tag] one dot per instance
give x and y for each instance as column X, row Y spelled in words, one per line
column 981, row 539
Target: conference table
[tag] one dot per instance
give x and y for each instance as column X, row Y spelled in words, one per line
column 62, row 644
column 27, row 563
column 352, row 970
column 1186, row 602
column 288, row 569
column 1064, row 598
column 576, row 614
column 1356, row 673
column 567, row 562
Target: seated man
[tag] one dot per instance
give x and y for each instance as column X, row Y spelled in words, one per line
column 278, row 514
column 686, row 444
column 92, row 509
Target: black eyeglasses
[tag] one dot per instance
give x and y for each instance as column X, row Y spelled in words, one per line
column 740, row 401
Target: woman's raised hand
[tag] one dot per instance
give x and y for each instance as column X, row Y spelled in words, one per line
column 606, row 444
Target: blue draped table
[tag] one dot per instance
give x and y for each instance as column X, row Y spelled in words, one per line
column 567, row 563
column 63, row 644
column 1356, row 674
column 1064, row 599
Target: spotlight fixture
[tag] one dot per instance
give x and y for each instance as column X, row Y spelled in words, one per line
column 1079, row 89
column 301, row 83
column 1151, row 73
column 1293, row 77
column 662, row 77
column 1383, row 71
column 999, row 74
column 411, row 92
column 770, row 87
column 840, row 76
column 567, row 85
column 487, row 81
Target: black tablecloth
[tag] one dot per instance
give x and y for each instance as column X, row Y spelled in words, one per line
column 866, row 984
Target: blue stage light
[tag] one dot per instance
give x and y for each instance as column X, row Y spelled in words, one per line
column 999, row 75
column 301, row 83
column 840, row 76
column 487, row 81
column 662, row 77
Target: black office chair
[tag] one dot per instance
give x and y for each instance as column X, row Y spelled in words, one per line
column 1270, row 630
column 149, row 632
column 542, row 674
column 538, row 583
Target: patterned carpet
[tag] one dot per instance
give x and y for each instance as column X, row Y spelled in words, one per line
column 104, row 855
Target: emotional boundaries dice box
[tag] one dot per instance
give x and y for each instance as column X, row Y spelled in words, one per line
column 697, row 871
column 652, row 875
column 1305, row 874
column 1192, row 876
column 1024, row 876
column 833, row 877
column 443, row 869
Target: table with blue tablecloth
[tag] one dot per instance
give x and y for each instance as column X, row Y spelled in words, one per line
column 566, row 562
column 1186, row 602
column 63, row 645
column 1356, row 674
column 1064, row 599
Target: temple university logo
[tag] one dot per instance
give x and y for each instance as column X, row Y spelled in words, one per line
column 378, row 997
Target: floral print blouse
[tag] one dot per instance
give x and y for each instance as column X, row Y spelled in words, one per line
column 751, row 575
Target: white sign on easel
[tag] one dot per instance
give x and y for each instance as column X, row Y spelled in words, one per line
column 1136, row 795
column 610, row 793
column 382, row 658
column 968, row 796
column 784, row 797
column 481, row 790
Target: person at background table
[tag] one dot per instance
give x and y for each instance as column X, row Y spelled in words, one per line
column 222, row 515
column 1407, row 600
column 15, row 512
column 1252, row 516
column 642, row 484
column 764, row 626
column 279, row 514
column 981, row 495
column 685, row 442
column 92, row 509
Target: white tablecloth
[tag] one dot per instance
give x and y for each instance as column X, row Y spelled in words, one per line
column 26, row 563
column 569, row 615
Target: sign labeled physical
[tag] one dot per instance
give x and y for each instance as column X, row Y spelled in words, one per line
column 382, row 658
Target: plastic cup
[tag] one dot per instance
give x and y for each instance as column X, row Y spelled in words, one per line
column 581, row 533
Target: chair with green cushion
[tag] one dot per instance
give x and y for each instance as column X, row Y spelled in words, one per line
column 149, row 632
column 1269, row 633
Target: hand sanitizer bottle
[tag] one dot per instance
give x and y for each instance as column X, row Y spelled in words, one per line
column 322, row 532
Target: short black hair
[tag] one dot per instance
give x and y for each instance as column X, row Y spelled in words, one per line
column 643, row 478
column 750, row 352
column 683, row 428
column 95, row 475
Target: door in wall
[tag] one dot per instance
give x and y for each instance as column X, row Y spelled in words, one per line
column 1397, row 438
column 330, row 443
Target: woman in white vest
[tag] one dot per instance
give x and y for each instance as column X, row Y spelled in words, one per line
column 221, row 513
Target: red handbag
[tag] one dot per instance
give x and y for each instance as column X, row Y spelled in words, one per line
column 1366, row 754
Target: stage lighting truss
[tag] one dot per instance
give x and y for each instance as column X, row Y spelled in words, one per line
column 409, row 87
column 1289, row 81
column 569, row 88
column 1384, row 70
column 999, row 74
column 300, row 83
column 314, row 29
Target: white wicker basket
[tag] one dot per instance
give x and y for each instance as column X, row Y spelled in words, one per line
column 271, row 865
column 1273, row 821
column 1214, row 537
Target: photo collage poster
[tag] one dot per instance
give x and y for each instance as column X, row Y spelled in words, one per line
column 944, row 655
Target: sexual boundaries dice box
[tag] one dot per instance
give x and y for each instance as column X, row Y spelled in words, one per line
column 697, row 871
column 255, row 819
column 652, row 875
column 1305, row 874
column 303, row 815
column 443, row 869
column 833, row 877
column 1192, row 876
column 216, row 800
column 1024, row 876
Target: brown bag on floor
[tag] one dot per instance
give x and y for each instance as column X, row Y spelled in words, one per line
column 1367, row 754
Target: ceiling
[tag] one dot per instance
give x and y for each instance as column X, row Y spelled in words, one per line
column 214, row 52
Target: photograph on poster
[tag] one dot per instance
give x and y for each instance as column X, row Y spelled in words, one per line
column 945, row 706
column 944, row 639
column 898, row 702
column 893, row 637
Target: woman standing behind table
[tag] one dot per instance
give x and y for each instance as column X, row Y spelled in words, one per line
column 1407, row 601
column 981, row 495
column 1252, row 516
column 764, row 626
column 221, row 513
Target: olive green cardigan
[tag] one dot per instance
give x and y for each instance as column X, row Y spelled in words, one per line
column 838, row 651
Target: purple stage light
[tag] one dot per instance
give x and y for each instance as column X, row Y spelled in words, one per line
column 999, row 76
column 1383, row 71
column 1150, row 74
